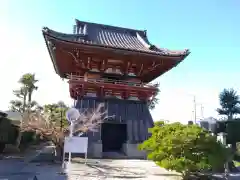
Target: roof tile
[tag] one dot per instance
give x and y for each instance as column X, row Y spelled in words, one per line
column 111, row 36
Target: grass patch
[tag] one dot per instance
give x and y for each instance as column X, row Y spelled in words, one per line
column 236, row 163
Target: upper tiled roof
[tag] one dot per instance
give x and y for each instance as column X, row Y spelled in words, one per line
column 114, row 37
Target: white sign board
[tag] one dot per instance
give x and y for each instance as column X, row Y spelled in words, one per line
column 76, row 144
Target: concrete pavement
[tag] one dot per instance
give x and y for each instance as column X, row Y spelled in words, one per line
column 120, row 169
column 19, row 169
column 11, row 166
column 105, row 169
column 101, row 169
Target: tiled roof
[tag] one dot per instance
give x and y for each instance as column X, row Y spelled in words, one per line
column 114, row 37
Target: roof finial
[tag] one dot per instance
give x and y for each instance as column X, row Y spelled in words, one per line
column 145, row 33
column 74, row 29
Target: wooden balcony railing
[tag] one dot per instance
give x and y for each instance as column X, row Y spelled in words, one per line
column 109, row 81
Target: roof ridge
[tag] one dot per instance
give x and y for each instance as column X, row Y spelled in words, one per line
column 143, row 41
column 110, row 26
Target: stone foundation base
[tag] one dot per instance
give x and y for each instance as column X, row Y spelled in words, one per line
column 130, row 151
column 9, row 148
column 95, row 150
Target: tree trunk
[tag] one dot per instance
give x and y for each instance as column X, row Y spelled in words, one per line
column 19, row 138
column 234, row 147
column 29, row 97
column 58, row 153
column 24, row 102
column 2, row 147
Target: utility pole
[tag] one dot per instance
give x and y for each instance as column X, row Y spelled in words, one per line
column 202, row 109
column 61, row 121
column 195, row 109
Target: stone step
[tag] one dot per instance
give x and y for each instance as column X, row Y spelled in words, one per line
column 114, row 155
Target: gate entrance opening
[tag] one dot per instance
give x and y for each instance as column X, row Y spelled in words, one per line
column 113, row 136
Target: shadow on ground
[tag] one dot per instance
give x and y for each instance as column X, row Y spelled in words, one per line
column 118, row 171
column 51, row 171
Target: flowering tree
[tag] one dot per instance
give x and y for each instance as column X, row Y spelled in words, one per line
column 89, row 120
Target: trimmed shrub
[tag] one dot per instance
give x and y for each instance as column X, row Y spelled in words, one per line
column 186, row 149
column 27, row 138
column 13, row 134
column 8, row 133
column 2, row 147
column 5, row 127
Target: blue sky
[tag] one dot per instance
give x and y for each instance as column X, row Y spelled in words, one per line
column 210, row 29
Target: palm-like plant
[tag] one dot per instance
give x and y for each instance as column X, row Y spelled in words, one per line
column 57, row 112
column 25, row 92
column 51, row 110
column 16, row 106
column 21, row 94
column 229, row 101
column 28, row 81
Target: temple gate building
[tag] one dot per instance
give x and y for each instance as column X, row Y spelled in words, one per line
column 114, row 66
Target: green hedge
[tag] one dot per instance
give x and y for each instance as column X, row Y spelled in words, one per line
column 233, row 131
column 13, row 134
column 5, row 129
column 9, row 134
column 27, row 137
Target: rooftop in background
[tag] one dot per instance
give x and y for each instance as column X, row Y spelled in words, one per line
column 3, row 114
column 15, row 116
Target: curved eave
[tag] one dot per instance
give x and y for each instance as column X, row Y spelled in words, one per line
column 151, row 76
column 50, row 35
column 56, row 35
column 52, row 56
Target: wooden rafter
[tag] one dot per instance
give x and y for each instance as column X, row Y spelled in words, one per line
column 154, row 63
column 101, row 91
column 125, row 94
column 79, row 58
column 152, row 67
column 75, row 54
column 128, row 65
column 103, row 65
column 155, row 66
column 141, row 70
column 89, row 63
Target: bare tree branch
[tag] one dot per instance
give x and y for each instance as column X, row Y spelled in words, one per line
column 89, row 120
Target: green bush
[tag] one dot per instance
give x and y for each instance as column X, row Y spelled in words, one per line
column 5, row 127
column 232, row 130
column 186, row 149
column 13, row 134
column 8, row 133
column 27, row 138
